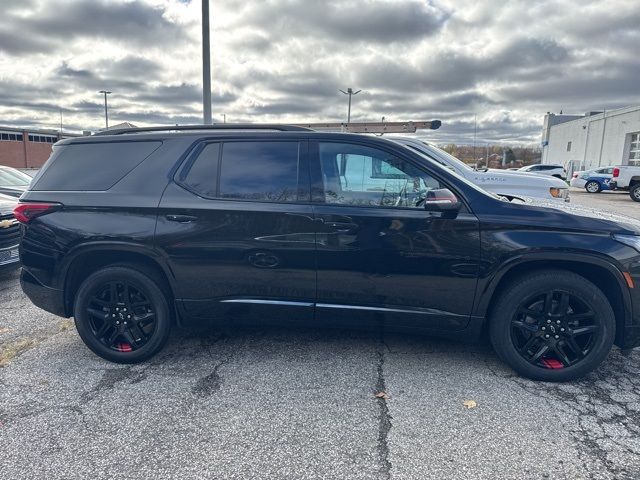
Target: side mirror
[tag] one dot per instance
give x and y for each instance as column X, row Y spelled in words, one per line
column 441, row 200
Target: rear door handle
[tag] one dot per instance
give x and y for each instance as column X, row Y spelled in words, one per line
column 181, row 218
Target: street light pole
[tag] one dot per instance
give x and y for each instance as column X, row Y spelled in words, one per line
column 350, row 92
column 206, row 64
column 106, row 112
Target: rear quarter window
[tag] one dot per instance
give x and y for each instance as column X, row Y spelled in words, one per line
column 92, row 166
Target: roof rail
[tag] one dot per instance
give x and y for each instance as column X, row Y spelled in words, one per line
column 218, row 126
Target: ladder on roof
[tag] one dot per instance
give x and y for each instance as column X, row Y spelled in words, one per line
column 374, row 127
column 363, row 127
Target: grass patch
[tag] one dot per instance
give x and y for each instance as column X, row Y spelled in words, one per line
column 11, row 350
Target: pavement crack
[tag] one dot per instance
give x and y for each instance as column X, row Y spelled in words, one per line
column 384, row 417
column 209, row 384
column 110, row 378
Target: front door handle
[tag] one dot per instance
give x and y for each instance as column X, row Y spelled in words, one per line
column 181, row 218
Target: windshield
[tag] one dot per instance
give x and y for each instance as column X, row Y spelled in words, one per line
column 13, row 178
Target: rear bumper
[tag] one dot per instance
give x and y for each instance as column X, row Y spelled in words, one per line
column 46, row 298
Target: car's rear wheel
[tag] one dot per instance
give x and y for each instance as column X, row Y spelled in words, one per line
column 553, row 325
column 634, row 192
column 122, row 314
column 593, row 187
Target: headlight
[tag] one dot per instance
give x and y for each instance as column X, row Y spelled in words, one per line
column 559, row 192
column 631, row 240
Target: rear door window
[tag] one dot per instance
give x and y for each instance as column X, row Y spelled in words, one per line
column 258, row 171
column 264, row 171
column 92, row 166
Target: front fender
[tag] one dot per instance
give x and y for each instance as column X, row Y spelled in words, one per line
column 487, row 286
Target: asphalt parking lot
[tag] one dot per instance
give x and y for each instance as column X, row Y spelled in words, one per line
column 269, row 403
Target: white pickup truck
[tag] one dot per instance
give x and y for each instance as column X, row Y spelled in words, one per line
column 510, row 184
column 627, row 177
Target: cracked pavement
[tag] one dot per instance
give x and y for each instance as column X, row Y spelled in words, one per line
column 282, row 403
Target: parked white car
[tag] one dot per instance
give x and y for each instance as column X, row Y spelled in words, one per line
column 557, row 171
column 508, row 184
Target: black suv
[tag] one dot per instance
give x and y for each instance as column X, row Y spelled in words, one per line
column 135, row 231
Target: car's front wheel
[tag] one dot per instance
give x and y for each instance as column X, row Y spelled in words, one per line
column 552, row 325
column 122, row 314
column 593, row 187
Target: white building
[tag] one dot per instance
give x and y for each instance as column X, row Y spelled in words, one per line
column 595, row 139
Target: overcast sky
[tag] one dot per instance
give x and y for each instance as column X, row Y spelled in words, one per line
column 508, row 62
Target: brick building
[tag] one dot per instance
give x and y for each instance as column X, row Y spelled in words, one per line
column 20, row 148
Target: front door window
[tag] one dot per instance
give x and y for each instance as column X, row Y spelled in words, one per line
column 362, row 176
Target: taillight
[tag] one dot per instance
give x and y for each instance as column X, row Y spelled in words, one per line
column 616, row 172
column 575, row 174
column 25, row 212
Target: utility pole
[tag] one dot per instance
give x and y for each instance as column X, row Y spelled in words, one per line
column 60, row 122
column 604, row 129
column 475, row 132
column 206, row 64
column 350, row 92
column 106, row 112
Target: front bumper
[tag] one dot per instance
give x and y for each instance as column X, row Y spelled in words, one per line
column 46, row 298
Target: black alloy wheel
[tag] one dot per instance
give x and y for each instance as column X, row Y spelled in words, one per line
column 121, row 316
column 554, row 329
column 552, row 325
column 122, row 313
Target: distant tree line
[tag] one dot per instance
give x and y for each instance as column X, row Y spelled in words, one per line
column 494, row 156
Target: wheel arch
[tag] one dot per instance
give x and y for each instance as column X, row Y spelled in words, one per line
column 634, row 180
column 602, row 274
column 86, row 259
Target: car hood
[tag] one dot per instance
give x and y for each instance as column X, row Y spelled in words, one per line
column 583, row 218
column 7, row 204
column 525, row 177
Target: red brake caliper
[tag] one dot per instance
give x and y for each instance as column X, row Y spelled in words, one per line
column 123, row 347
column 552, row 363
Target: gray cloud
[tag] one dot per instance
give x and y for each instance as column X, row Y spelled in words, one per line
column 57, row 22
column 284, row 60
column 354, row 21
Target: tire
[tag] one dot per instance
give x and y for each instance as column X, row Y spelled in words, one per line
column 140, row 302
column 593, row 187
column 634, row 192
column 512, row 328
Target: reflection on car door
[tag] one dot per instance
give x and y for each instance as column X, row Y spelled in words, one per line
column 381, row 256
